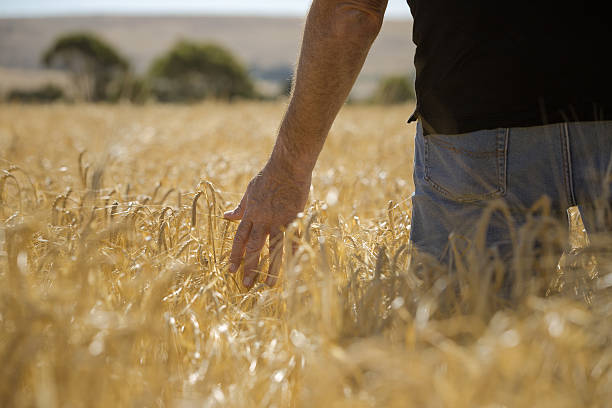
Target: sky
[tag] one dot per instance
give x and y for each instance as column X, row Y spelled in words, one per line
column 36, row 8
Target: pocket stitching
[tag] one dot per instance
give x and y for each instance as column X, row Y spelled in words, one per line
column 500, row 153
column 502, row 159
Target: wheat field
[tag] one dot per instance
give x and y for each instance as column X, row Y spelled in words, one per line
column 114, row 288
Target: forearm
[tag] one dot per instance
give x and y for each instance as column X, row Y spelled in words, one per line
column 337, row 38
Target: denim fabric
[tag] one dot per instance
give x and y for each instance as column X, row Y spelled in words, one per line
column 457, row 177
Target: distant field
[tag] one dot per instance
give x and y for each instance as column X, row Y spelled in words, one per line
column 114, row 289
column 266, row 45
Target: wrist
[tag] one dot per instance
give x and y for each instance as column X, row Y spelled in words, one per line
column 297, row 167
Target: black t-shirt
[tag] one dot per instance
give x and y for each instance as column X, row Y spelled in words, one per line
column 484, row 64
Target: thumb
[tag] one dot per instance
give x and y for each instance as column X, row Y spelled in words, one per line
column 237, row 213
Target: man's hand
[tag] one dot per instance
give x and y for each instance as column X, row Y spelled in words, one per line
column 337, row 37
column 272, row 200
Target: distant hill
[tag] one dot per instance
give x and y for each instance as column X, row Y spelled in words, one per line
column 267, row 45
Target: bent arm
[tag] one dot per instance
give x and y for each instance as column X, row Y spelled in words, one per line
column 337, row 38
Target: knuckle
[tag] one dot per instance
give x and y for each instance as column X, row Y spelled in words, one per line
column 242, row 232
column 251, row 262
column 236, row 253
column 256, row 235
column 239, row 239
column 253, row 246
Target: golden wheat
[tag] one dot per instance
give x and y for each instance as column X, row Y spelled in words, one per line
column 114, row 288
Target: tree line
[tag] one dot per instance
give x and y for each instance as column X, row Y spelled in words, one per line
column 189, row 72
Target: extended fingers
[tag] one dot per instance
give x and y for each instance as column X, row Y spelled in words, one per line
column 276, row 255
column 239, row 245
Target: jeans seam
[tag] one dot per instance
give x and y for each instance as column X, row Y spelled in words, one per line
column 502, row 159
column 567, row 164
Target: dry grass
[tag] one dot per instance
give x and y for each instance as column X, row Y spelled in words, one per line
column 114, row 288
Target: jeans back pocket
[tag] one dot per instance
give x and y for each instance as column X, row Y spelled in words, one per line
column 467, row 167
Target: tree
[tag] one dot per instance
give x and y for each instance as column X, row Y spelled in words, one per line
column 45, row 94
column 98, row 70
column 191, row 72
column 394, row 89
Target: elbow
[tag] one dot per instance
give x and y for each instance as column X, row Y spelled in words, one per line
column 359, row 20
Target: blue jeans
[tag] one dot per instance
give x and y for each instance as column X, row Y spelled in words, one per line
column 510, row 176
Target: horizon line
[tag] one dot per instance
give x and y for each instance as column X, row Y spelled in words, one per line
column 165, row 13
